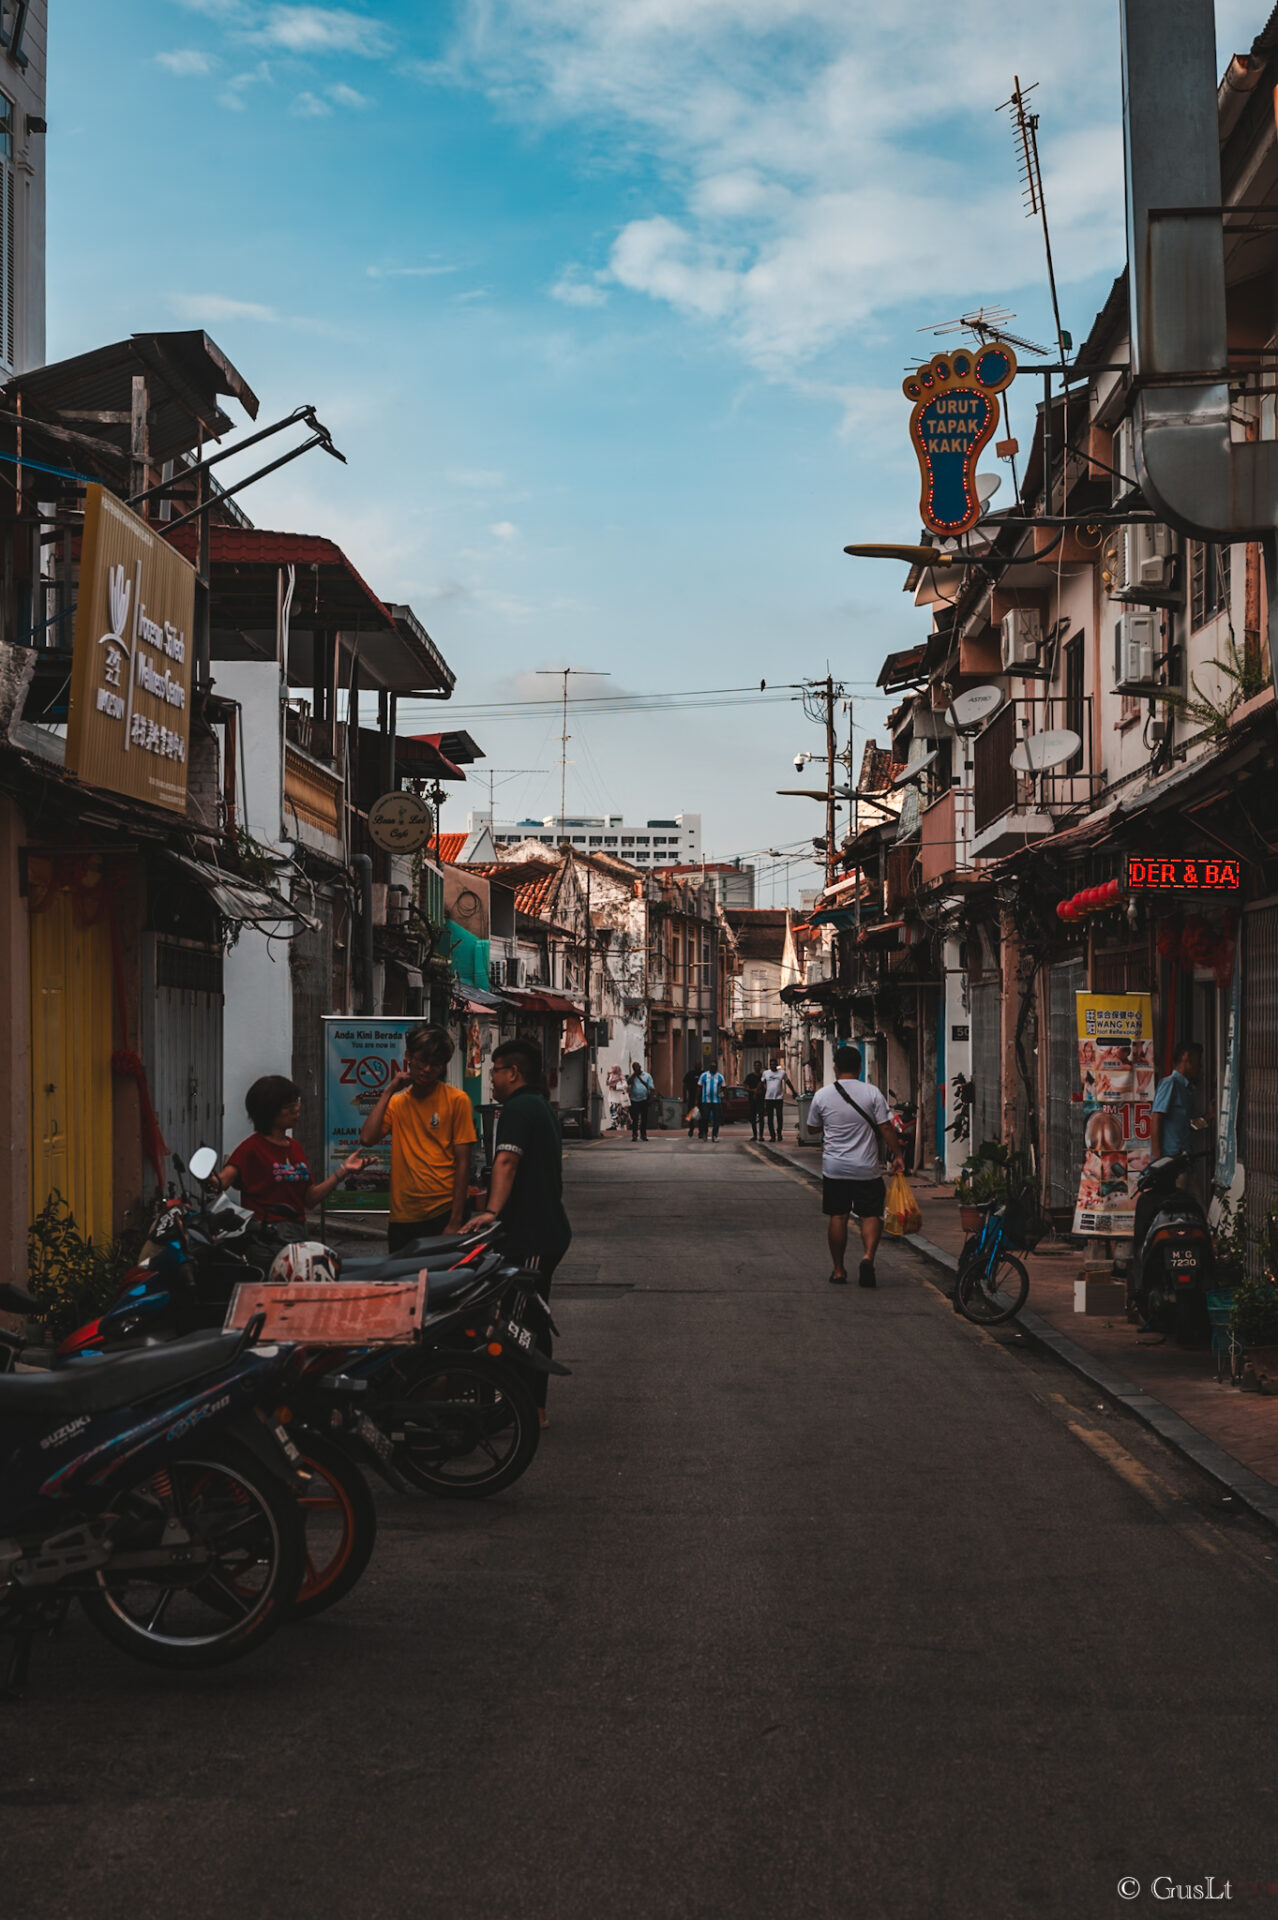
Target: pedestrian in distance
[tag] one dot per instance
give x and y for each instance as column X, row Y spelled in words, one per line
column 691, row 1080
column 526, row 1190
column 642, row 1090
column 754, row 1087
column 432, row 1131
column 775, row 1082
column 855, row 1123
column 269, row 1168
column 710, row 1099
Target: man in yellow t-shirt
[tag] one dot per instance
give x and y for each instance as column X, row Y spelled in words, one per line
column 432, row 1130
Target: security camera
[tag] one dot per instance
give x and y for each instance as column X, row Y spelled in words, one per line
column 798, row 763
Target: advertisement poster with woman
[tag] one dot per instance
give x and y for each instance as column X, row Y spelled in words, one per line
column 1116, row 1064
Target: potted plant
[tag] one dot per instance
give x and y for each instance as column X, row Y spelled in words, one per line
column 982, row 1178
column 1254, row 1326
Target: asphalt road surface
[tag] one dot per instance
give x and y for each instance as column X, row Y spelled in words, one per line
column 816, row 1602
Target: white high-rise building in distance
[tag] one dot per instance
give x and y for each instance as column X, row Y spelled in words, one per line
column 658, row 843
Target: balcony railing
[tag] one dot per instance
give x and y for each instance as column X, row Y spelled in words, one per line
column 944, row 833
column 996, row 785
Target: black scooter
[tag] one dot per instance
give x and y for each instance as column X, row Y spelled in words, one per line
column 1173, row 1268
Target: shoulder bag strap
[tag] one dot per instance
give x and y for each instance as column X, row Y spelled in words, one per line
column 860, row 1112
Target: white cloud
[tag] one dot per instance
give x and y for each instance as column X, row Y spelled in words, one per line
column 483, row 478
column 574, row 291
column 186, row 61
column 309, row 106
column 344, row 96
column 234, row 93
column 504, row 529
column 302, row 29
column 411, row 273
column 812, row 173
column 202, row 307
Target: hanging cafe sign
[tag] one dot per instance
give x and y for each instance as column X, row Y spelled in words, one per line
column 129, row 725
column 955, row 414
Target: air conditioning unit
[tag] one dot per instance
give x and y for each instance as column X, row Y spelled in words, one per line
column 1022, row 632
column 1135, row 651
column 1144, row 563
column 1123, row 481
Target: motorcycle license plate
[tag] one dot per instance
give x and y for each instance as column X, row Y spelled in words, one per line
column 1185, row 1262
column 510, row 1330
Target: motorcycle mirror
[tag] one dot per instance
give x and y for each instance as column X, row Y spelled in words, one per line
column 203, row 1161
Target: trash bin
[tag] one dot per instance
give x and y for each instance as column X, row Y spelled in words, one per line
column 806, row 1137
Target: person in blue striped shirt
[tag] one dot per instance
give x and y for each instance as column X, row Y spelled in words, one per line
column 710, row 1098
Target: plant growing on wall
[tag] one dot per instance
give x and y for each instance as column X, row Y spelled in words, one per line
column 1247, row 678
column 73, row 1279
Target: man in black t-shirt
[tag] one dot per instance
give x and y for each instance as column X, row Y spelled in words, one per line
column 526, row 1191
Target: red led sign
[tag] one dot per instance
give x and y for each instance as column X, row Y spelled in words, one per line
column 1183, row 876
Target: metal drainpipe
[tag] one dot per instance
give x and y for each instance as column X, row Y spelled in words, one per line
column 363, row 866
column 1194, row 476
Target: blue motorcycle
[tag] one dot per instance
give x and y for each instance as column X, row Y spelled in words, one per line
column 152, row 1489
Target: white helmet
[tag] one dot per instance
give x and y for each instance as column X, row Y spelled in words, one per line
column 305, row 1262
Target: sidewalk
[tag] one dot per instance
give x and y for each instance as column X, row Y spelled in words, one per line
column 1231, row 1434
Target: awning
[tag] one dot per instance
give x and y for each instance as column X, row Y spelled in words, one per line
column 238, row 899
column 533, row 1000
column 482, row 999
column 840, row 918
column 394, row 651
column 885, row 932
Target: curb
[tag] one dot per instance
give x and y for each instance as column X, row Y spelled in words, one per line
column 1238, row 1480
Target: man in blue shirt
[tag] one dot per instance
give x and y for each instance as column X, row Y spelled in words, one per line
column 710, row 1099
column 1172, row 1119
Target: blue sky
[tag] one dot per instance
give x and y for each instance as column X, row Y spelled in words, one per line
column 607, row 302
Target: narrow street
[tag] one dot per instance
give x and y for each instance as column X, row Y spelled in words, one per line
column 812, row 1604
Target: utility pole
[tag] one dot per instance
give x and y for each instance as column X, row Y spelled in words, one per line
column 831, row 767
column 566, row 673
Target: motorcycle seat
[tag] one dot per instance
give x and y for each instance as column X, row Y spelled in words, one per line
column 99, row 1386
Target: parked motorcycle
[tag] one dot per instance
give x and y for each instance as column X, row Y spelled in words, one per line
column 1173, row 1266
column 151, row 1488
column 905, row 1117
column 454, row 1415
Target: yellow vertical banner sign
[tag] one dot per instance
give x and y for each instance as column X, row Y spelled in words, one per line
column 1116, row 1065
column 71, row 1041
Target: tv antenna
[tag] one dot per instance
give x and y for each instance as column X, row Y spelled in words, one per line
column 986, row 324
column 567, row 673
column 1025, row 133
column 507, row 773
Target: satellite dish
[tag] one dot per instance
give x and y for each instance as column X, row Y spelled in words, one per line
column 920, row 767
column 1043, row 751
column 987, row 485
column 973, row 708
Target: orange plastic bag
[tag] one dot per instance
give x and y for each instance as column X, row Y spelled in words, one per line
column 902, row 1214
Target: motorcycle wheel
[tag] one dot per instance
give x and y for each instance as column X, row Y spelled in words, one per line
column 253, row 1528
column 340, row 1518
column 479, row 1431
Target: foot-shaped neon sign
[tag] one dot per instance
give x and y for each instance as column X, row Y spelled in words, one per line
column 954, row 417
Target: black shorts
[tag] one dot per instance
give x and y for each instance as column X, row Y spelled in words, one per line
column 867, row 1199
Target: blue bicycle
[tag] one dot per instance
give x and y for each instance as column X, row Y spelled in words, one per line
column 992, row 1284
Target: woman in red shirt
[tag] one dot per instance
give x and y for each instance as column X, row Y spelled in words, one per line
column 269, row 1168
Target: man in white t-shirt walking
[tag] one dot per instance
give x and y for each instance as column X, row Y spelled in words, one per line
column 855, row 1123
